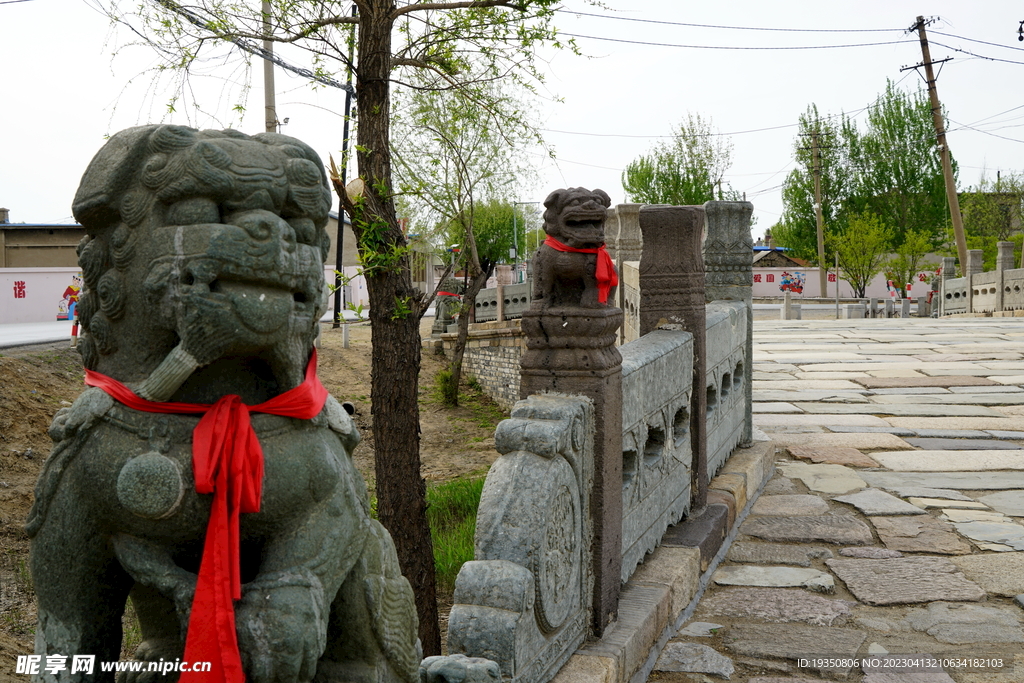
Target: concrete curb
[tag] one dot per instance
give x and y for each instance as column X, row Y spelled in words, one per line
column 664, row 591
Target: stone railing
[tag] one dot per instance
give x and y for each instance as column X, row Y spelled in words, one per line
column 524, row 601
column 516, row 299
column 996, row 292
column 588, row 485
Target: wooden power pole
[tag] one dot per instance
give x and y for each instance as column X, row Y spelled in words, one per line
column 822, row 267
column 940, row 132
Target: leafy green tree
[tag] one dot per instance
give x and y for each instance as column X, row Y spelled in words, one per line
column 861, row 249
column 910, row 259
column 993, row 211
column 897, row 167
column 798, row 228
column 452, row 157
column 462, row 44
column 689, row 169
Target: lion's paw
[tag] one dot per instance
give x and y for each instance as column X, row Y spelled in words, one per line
column 282, row 631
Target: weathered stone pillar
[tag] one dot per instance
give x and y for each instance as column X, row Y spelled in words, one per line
column 570, row 349
column 672, row 292
column 975, row 264
column 729, row 262
column 1004, row 257
column 628, row 242
column 948, row 273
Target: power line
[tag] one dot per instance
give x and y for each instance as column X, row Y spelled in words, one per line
column 735, row 47
column 735, row 28
column 975, row 40
column 978, row 130
column 974, row 54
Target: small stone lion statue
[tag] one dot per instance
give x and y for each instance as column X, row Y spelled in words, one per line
column 203, row 284
column 571, row 267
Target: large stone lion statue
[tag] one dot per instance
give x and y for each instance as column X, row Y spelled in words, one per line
column 204, row 282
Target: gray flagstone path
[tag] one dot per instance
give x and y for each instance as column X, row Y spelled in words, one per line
column 905, row 486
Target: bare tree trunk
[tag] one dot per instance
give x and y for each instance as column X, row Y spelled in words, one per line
column 394, row 323
column 468, row 304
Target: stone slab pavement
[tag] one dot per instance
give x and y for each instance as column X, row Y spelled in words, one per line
column 870, row 564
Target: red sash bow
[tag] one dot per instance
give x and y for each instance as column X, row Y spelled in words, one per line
column 227, row 461
column 605, row 272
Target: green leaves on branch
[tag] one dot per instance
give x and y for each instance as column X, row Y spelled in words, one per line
column 689, row 169
column 861, row 249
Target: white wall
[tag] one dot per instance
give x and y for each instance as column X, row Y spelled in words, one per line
column 877, row 288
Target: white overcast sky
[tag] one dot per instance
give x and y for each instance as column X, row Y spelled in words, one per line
column 63, row 90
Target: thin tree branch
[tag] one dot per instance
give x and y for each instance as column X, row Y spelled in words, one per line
column 467, row 4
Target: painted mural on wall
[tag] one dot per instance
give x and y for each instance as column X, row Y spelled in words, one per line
column 792, row 282
column 69, row 300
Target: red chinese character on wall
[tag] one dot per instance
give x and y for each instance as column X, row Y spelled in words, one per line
column 19, row 289
column 770, row 277
column 757, row 277
column 831, row 277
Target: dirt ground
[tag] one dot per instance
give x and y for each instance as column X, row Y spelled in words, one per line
column 37, row 381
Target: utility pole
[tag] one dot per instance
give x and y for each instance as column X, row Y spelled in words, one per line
column 339, row 240
column 822, row 268
column 818, row 219
column 270, row 105
column 940, row 133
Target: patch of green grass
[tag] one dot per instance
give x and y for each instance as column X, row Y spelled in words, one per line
column 451, row 511
column 445, row 390
column 131, row 631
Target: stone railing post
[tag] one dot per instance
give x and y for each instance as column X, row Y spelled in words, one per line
column 948, row 273
column 570, row 349
column 975, row 264
column 628, row 242
column 1004, row 262
column 672, row 293
column 729, row 262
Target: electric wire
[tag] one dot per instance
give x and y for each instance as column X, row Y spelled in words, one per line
column 734, row 28
column 736, row 47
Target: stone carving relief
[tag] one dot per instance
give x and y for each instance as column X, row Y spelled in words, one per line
column 524, row 600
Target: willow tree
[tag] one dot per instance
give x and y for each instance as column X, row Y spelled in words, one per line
column 461, row 43
column 457, row 161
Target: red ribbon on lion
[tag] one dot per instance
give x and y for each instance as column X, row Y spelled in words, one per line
column 227, row 461
column 605, row 272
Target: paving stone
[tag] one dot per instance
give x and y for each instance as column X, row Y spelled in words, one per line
column 899, row 372
column 764, row 395
column 699, row 629
column 959, row 624
column 1004, row 434
column 965, row 481
column 794, row 420
column 1005, row 533
column 694, row 658
column 919, row 424
column 824, row 478
column 919, row 409
column 1019, row 599
column 920, row 534
column 1007, row 502
column 923, row 492
column 910, row 391
column 809, row 384
column 948, row 381
column 836, row 455
column 951, row 515
column 955, row 504
column 811, row 374
column 950, row 461
column 776, row 605
column 896, row 431
column 787, row 505
column 871, row 553
column 878, row 502
column 998, row 400
column 952, row 433
column 780, row 485
column 908, row 677
column 1000, row 574
column 775, row 577
column 775, row 553
column 775, row 408
column 827, row 440
column 930, row 444
column 994, row 547
column 802, row 429
column 831, row 528
column 1001, row 389
column 796, row 641
column 905, row 580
